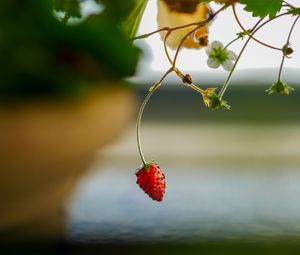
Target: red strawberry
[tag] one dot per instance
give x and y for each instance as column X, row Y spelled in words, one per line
column 152, row 181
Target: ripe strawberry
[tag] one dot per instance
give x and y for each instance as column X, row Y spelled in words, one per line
column 152, row 181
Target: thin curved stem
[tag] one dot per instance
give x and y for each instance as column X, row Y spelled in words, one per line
column 194, row 87
column 173, row 68
column 138, row 126
column 228, row 44
column 247, row 33
column 179, row 74
column 287, row 43
column 141, row 111
column 200, row 24
column 166, row 48
column 173, row 63
column 288, row 4
column 177, row 71
column 181, row 43
column 254, row 30
column 231, row 42
column 179, row 27
column 163, row 29
column 237, row 60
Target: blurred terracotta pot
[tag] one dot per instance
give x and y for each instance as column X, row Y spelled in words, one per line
column 45, row 146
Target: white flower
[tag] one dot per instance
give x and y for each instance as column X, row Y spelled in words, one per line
column 218, row 55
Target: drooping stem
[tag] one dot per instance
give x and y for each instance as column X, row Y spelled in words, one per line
column 179, row 74
column 199, row 25
column 231, row 42
column 288, row 4
column 237, row 60
column 167, row 29
column 228, row 44
column 173, row 63
column 254, row 30
column 138, row 126
column 166, row 48
column 182, row 42
column 173, row 68
column 287, row 43
column 141, row 111
column 177, row 71
column 247, row 32
column 170, row 29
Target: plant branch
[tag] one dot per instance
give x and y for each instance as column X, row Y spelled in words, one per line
column 289, row 5
column 287, row 43
column 170, row 29
column 236, row 62
column 141, row 111
column 199, row 25
column 254, row 30
column 247, row 33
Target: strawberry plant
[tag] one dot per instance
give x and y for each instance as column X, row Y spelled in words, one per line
column 185, row 24
column 50, row 48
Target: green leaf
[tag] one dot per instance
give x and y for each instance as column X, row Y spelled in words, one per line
column 119, row 9
column 280, row 87
column 262, row 8
column 213, row 101
column 294, row 11
column 105, row 42
column 42, row 57
column 242, row 34
column 217, row 102
column 130, row 25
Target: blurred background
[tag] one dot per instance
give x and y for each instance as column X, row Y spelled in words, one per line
column 232, row 176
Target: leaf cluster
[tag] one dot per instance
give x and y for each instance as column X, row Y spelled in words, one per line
column 40, row 56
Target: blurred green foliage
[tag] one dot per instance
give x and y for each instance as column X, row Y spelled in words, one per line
column 130, row 24
column 42, row 55
column 70, row 7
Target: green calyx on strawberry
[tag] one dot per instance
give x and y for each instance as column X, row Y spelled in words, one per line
column 152, row 181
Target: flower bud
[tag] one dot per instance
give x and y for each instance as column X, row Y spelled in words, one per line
column 287, row 50
column 187, row 79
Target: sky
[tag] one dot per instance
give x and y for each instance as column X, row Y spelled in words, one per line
column 222, row 29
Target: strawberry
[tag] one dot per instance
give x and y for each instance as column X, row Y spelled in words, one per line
column 152, row 181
